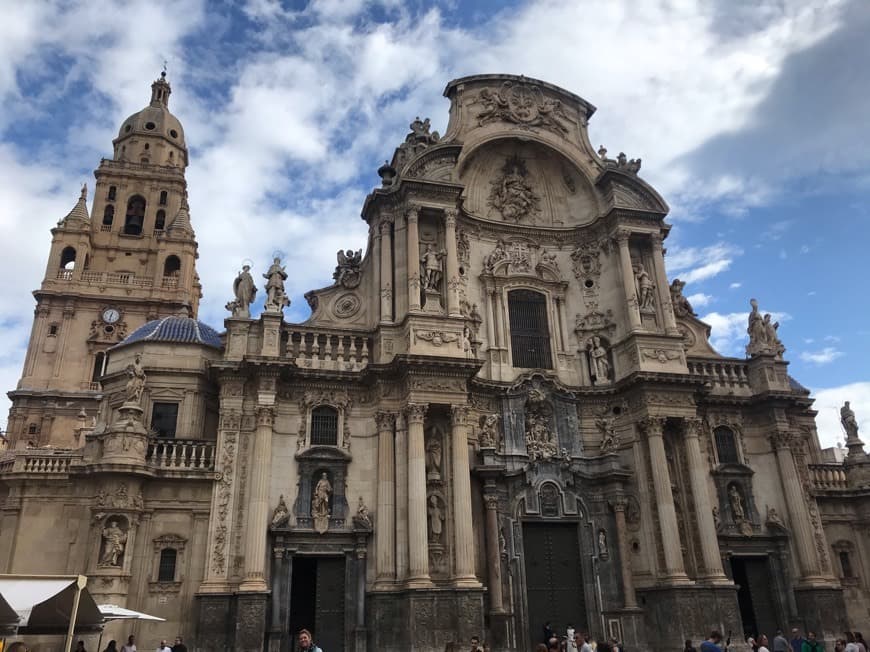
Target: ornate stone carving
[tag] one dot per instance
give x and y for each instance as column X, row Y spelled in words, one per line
column 488, row 437
column 436, row 518
column 463, row 247
column 280, row 513
column 416, row 412
column 586, row 259
column 773, row 521
column 225, row 489
column 114, row 542
column 662, row 355
column 135, row 383
column 320, row 510
column 512, row 194
column 336, row 398
column 347, row 305
column 738, row 510
column 522, row 104
column 418, row 139
column 594, row 322
column 431, row 267
column 276, row 297
column 434, row 452
column 645, row 289
column 347, row 271
column 550, row 499
column 600, row 368
column 763, row 338
column 540, row 438
column 682, row 307
column 436, row 338
column 385, row 420
column 362, row 519
column 603, row 552
column 621, row 162
column 606, row 424
column 244, row 292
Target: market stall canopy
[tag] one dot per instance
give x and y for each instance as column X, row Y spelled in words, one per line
column 114, row 612
column 8, row 618
column 44, row 603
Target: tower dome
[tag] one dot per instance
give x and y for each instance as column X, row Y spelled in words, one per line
column 175, row 329
column 153, row 135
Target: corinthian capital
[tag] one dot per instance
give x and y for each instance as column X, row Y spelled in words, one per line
column 692, row 426
column 450, row 215
column 781, row 439
column 416, row 412
column 622, row 235
column 459, row 415
column 385, row 420
column 652, row 426
column 412, row 213
column 265, row 415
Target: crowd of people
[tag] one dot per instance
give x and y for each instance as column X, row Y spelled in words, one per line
column 851, row 642
column 130, row 646
column 574, row 641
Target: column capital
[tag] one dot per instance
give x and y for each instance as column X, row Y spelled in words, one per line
column 656, row 239
column 622, row 235
column 265, row 415
column 652, row 426
column 416, row 412
column 618, row 503
column 412, row 213
column 385, row 225
column 692, row 426
column 459, row 415
column 450, row 215
column 490, row 501
column 385, row 420
column 781, row 439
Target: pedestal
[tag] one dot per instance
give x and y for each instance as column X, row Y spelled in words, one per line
column 674, row 614
column 823, row 611
column 250, row 622
column 215, row 626
column 433, row 302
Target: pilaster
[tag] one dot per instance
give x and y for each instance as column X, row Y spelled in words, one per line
column 462, row 527
column 418, row 542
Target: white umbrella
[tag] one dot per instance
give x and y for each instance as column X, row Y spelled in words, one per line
column 114, row 612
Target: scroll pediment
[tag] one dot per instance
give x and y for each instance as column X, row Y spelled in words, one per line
column 630, row 193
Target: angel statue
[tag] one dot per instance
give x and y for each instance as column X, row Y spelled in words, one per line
column 245, row 292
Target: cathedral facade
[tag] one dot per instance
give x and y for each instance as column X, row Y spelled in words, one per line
column 500, row 414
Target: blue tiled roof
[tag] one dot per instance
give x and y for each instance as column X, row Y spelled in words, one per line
column 175, row 329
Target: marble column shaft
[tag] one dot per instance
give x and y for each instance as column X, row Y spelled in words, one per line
column 418, row 542
column 385, row 532
column 622, row 237
column 493, row 555
column 386, row 272
column 257, row 522
column 413, row 246
column 628, row 594
column 674, row 568
column 662, row 287
column 401, row 457
column 462, row 526
column 452, row 277
column 698, row 473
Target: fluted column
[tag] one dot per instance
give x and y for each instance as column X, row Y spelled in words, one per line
column 799, row 518
column 622, row 236
column 418, row 543
column 413, row 260
column 662, row 287
column 463, row 574
column 258, row 504
column 674, row 569
column 452, row 280
column 386, row 272
column 619, row 505
column 493, row 555
column 698, row 473
column 385, row 532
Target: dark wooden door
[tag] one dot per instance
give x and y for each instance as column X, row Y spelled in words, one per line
column 554, row 581
column 755, row 594
column 330, row 603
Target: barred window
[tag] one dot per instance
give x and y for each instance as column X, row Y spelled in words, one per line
column 166, row 570
column 530, row 333
column 324, row 426
column 726, row 446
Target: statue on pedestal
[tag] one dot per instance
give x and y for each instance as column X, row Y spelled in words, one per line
column 136, row 382
column 850, row 423
column 682, row 307
column 762, row 333
column 320, row 504
column 245, row 292
column 114, row 542
column 436, row 519
column 645, row 286
column 276, row 298
column 431, row 270
column 599, row 365
column 433, row 457
column 347, row 272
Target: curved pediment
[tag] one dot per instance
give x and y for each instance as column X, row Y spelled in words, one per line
column 624, row 190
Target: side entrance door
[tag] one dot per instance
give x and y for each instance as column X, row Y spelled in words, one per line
column 317, row 600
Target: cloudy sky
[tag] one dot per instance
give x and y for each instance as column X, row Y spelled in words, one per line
column 751, row 117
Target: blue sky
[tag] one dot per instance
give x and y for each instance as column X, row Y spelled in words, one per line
column 751, row 118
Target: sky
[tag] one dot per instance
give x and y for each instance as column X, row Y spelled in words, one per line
column 751, row 117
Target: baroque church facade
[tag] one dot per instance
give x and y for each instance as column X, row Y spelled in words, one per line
column 501, row 413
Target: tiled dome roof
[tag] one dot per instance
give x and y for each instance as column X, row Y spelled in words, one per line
column 175, row 329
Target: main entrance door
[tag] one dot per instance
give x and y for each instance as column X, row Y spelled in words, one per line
column 317, row 600
column 754, row 594
column 554, row 582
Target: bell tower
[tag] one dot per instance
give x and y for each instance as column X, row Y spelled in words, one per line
column 130, row 260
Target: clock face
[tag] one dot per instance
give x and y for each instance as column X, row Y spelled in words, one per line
column 111, row 315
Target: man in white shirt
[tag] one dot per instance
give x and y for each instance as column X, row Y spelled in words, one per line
column 163, row 647
column 130, row 646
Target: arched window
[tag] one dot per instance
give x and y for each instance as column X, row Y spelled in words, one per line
column 530, row 333
column 163, row 197
column 111, row 195
column 726, row 446
column 108, row 214
column 68, row 258
column 166, row 570
column 160, row 220
column 99, row 365
column 172, row 266
column 324, row 426
column 135, row 215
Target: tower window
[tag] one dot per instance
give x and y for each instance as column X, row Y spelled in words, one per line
column 726, row 446
column 111, row 195
column 32, row 429
column 166, row 570
column 99, row 365
column 172, row 266
column 160, row 220
column 108, row 214
column 164, row 417
column 324, row 426
column 530, row 333
column 68, row 258
column 135, row 215
column 150, row 126
column 52, row 330
column 163, row 197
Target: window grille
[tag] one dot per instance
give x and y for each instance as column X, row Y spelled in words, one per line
column 324, row 426
column 166, row 570
column 530, row 333
column 726, row 446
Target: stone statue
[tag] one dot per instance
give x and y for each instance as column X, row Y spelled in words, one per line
column 280, row 512
column 850, row 423
column 488, row 433
column 736, row 502
column 774, row 519
column 276, row 298
column 682, row 307
column 114, row 542
column 599, row 365
column 763, row 337
column 136, row 382
column 347, row 272
column 645, row 287
column 602, row 543
column 433, row 457
column 245, row 292
column 362, row 517
column 430, row 263
column 320, row 504
column 511, row 194
column 498, row 254
column 607, row 427
column 717, row 520
column 436, row 519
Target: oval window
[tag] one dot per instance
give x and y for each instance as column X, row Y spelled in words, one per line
column 150, row 125
column 128, row 128
column 173, row 133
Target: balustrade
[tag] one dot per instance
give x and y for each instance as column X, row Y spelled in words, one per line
column 726, row 374
column 336, row 350
column 181, row 454
column 828, row 476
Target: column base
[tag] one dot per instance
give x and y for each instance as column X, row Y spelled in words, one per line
column 715, row 580
column 466, row 582
column 676, row 580
column 214, row 621
column 210, row 587
column 257, row 585
column 419, row 583
column 386, row 585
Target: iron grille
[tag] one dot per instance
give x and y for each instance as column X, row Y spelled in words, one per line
column 530, row 334
column 324, row 426
column 166, row 572
column 726, row 446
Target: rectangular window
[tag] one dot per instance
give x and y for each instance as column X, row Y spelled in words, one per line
column 166, row 571
column 324, row 426
column 846, row 564
column 530, row 333
column 163, row 419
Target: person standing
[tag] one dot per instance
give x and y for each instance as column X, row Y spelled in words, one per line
column 475, row 644
column 851, row 645
column 713, row 642
column 163, row 647
column 780, row 643
column 763, row 643
column 548, row 632
column 111, row 647
column 797, row 641
column 859, row 640
column 811, row 644
column 306, row 643
column 179, row 645
column 130, row 646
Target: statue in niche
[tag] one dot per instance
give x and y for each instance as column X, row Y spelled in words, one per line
column 773, row 519
column 433, row 457
column 488, row 431
column 436, row 519
column 347, row 272
column 136, row 381
column 431, row 270
column 320, row 503
column 114, row 543
column 280, row 512
column 645, row 288
column 736, row 501
column 850, row 423
column 606, row 425
column 762, row 333
column 244, row 291
column 599, row 364
column 276, row 298
column 498, row 254
column 362, row 518
column 602, row 544
column 682, row 307
column 717, row 520
column 511, row 194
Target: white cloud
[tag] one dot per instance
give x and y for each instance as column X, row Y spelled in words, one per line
column 805, row 249
column 824, row 356
column 734, row 286
column 828, row 403
column 693, row 264
column 728, row 331
column 700, row 299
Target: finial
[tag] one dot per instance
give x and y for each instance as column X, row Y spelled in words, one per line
column 163, row 74
column 84, row 195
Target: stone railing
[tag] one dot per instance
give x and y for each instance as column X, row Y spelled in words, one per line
column 321, row 349
column 828, row 477
column 181, row 454
column 106, row 278
column 43, row 462
column 722, row 374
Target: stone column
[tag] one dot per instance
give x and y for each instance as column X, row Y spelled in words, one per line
column 799, row 518
column 452, row 277
column 401, row 458
column 413, row 260
column 385, row 532
column 386, row 272
column 662, row 287
column 258, row 504
column 619, row 505
column 698, row 473
column 463, row 574
column 622, row 236
column 674, row 569
column 418, row 542
column 493, row 555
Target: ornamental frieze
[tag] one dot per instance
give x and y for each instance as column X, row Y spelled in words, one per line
column 522, row 104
